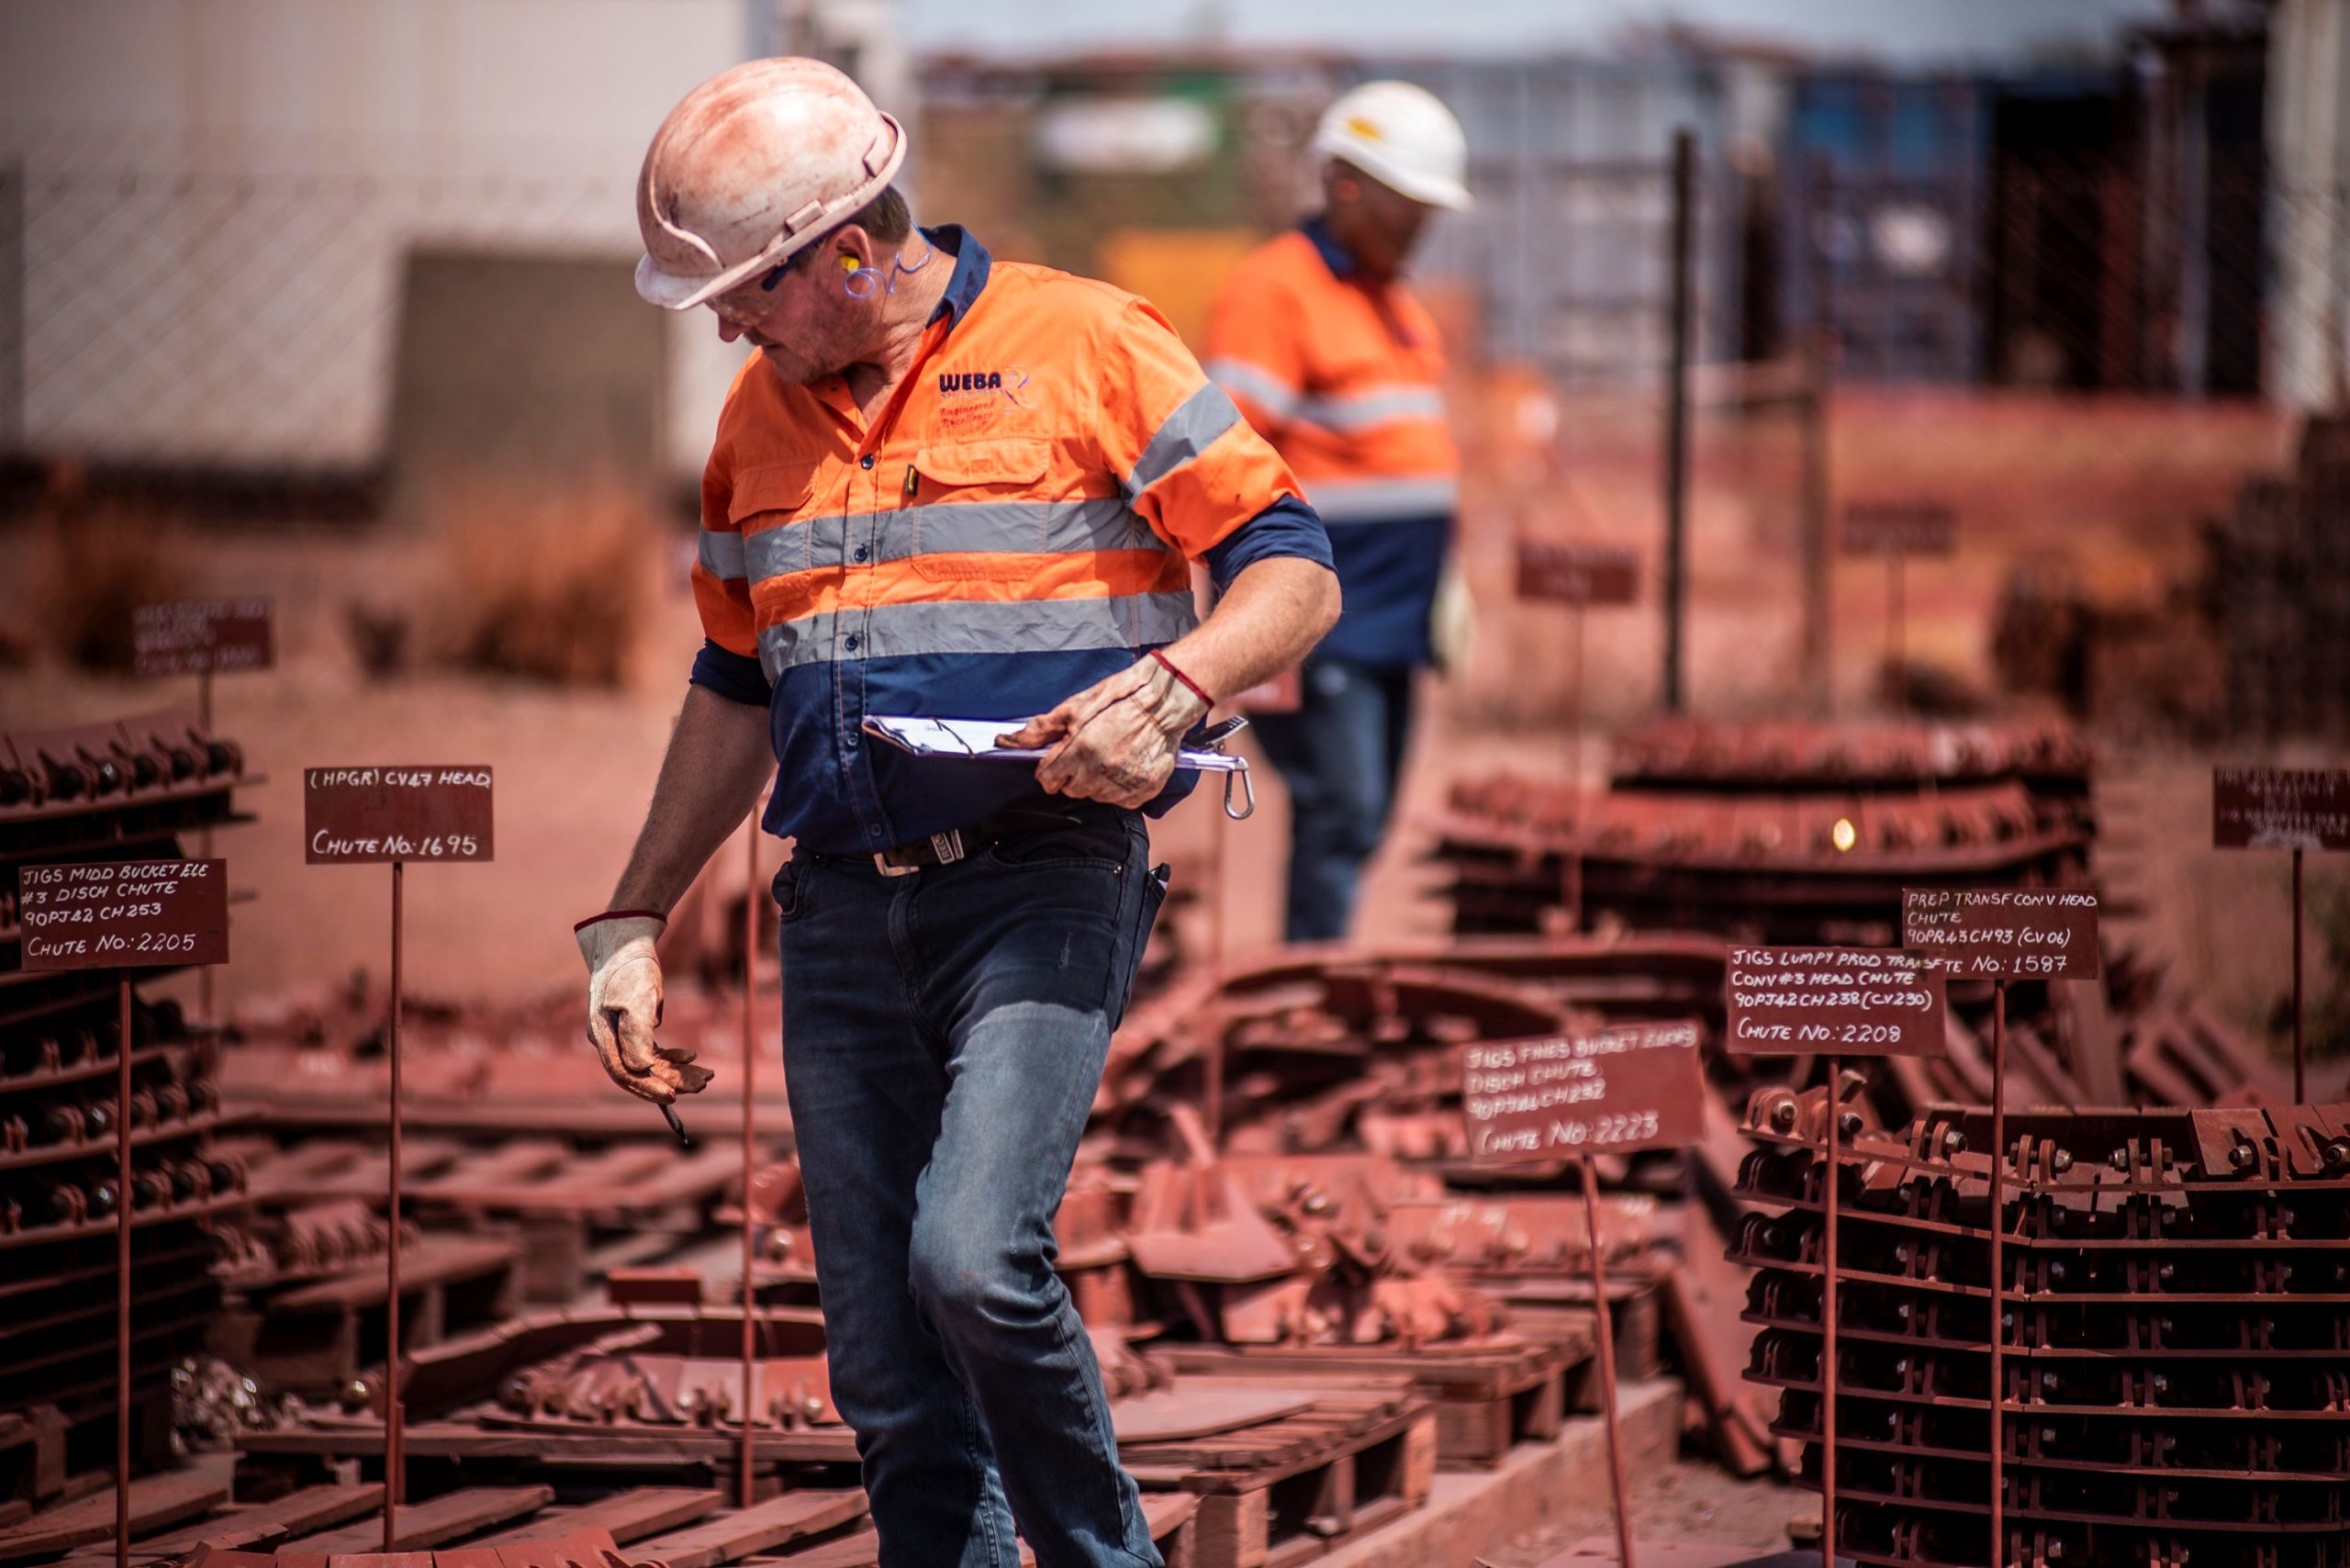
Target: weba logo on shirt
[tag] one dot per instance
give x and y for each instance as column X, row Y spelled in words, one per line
column 1006, row 383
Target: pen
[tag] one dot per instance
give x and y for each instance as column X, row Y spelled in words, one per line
column 669, row 1114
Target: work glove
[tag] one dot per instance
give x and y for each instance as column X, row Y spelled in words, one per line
column 624, row 1007
column 1452, row 621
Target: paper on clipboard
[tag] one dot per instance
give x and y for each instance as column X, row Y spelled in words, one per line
column 976, row 738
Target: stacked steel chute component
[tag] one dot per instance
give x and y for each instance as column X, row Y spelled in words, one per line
column 313, row 1061
column 1772, row 832
column 2049, row 758
column 2277, row 587
column 1302, row 1254
column 2175, row 1307
column 138, row 789
column 1795, row 866
column 1343, row 1049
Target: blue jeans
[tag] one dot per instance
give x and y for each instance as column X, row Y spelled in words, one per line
column 943, row 1035
column 1340, row 755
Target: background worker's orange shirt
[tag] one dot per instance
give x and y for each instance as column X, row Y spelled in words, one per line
column 1345, row 376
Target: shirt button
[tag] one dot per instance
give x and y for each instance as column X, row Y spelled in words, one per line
column 866, row 461
column 862, row 552
column 849, row 641
column 873, row 832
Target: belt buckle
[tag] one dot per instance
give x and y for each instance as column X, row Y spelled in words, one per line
column 946, row 848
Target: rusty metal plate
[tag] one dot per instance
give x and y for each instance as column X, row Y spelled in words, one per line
column 371, row 815
column 1899, row 527
column 124, row 915
column 190, row 636
column 1577, row 574
column 2280, row 808
column 1610, row 1092
column 2003, row 932
column 1833, row 1002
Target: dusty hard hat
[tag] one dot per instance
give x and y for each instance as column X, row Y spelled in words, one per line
column 1401, row 136
column 751, row 166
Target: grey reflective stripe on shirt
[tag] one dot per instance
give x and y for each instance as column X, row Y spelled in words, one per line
column 720, row 554
column 977, row 626
column 1381, row 501
column 1021, row 528
column 1366, row 411
column 1206, row 414
column 1259, row 385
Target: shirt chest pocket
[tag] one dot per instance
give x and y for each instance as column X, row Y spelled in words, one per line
column 975, row 507
column 770, row 505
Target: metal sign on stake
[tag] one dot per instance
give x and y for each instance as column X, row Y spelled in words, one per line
column 1610, row 1092
column 750, row 1113
column 375, row 816
column 1896, row 531
column 197, row 636
column 2284, row 808
column 122, row 916
column 2004, row 934
column 1579, row 577
column 1838, row 1002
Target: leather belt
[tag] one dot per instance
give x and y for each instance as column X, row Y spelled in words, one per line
column 960, row 844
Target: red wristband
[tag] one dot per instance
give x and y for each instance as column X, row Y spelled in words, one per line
column 1189, row 683
column 622, row 915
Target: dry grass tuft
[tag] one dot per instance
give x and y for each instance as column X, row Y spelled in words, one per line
column 542, row 584
column 93, row 565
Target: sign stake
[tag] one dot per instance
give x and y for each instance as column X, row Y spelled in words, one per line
column 394, row 1466
column 204, row 840
column 1895, row 651
column 750, row 1113
column 1828, row 1327
column 1574, row 699
column 1605, row 1327
column 2300, row 1081
column 122, row 1206
column 1999, row 1261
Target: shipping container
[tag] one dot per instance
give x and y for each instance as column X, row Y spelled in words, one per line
column 1884, row 182
column 1098, row 161
column 1571, row 163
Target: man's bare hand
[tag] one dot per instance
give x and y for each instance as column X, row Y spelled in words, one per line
column 1116, row 740
column 624, row 996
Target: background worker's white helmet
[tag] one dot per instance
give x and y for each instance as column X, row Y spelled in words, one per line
column 753, row 165
column 1401, row 136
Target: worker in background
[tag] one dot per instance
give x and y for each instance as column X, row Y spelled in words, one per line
column 949, row 486
column 1336, row 363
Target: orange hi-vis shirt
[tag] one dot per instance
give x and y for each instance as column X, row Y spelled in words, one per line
column 1014, row 525
column 1345, row 376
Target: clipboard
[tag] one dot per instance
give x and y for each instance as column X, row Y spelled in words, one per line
column 973, row 740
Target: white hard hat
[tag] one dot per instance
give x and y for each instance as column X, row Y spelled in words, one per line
column 1401, row 136
column 750, row 167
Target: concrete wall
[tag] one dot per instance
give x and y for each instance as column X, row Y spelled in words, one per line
column 217, row 198
column 2309, row 222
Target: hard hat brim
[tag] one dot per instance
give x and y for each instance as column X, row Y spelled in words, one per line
column 1427, row 190
column 683, row 291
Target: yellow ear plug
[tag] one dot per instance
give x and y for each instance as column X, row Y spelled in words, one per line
column 848, row 264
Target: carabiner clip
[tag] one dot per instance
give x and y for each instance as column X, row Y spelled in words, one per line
column 1247, row 793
